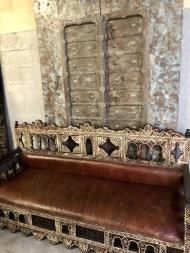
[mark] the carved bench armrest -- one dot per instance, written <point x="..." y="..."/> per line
<point x="10" y="164"/>
<point x="186" y="180"/>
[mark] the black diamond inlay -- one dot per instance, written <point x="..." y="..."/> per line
<point x="70" y="144"/>
<point x="177" y="152"/>
<point x="109" y="147"/>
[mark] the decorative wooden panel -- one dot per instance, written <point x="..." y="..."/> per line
<point x="147" y="145"/>
<point x="83" y="65"/>
<point x="124" y="81"/>
<point x="125" y="51"/>
<point x="119" y="63"/>
<point x="104" y="58"/>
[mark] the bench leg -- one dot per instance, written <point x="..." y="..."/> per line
<point x="187" y="230"/>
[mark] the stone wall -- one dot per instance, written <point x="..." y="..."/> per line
<point x="20" y="62"/>
<point x="164" y="36"/>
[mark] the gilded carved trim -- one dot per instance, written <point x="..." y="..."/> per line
<point x="147" y="145"/>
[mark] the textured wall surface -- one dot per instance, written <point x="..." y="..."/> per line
<point x="16" y="16"/>
<point x="184" y="101"/>
<point x="164" y="36"/>
<point x="22" y="78"/>
<point x="49" y="24"/>
<point x="20" y="62"/>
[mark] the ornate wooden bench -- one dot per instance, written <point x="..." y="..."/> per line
<point x="99" y="189"/>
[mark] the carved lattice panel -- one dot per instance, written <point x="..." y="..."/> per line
<point x="21" y="139"/>
<point x="179" y="150"/>
<point x="109" y="147"/>
<point x="152" y="145"/>
<point x="43" y="142"/>
<point x="147" y="150"/>
<point x="70" y="144"/>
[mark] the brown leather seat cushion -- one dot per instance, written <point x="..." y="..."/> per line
<point x="136" y="173"/>
<point x="141" y="209"/>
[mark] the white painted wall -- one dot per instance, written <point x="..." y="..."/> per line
<point x="20" y="62"/>
<point x="186" y="3"/>
<point x="22" y="77"/>
<point x="184" y="92"/>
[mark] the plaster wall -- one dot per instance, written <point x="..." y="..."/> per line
<point x="186" y="4"/>
<point x="20" y="62"/>
<point x="184" y="95"/>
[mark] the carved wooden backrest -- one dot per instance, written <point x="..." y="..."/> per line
<point x="148" y="145"/>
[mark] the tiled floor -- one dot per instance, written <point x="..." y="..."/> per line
<point x="17" y="243"/>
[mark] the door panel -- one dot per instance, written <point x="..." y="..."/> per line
<point x="127" y="97"/>
<point x="82" y="50"/>
<point x="83" y="64"/>
<point x="125" y="45"/>
<point x="87" y="97"/>
<point x="85" y="111"/>
<point x="83" y="32"/>
<point x="125" y="27"/>
<point x="104" y="64"/>
<point x="131" y="112"/>
<point x="84" y="82"/>
<point x="125" y="63"/>
<point x="131" y="62"/>
<point x="125" y="80"/>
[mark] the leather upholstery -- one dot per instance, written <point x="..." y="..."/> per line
<point x="46" y="186"/>
<point x="151" y="175"/>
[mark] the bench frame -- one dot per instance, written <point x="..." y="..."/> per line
<point x="70" y="240"/>
<point x="41" y="138"/>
